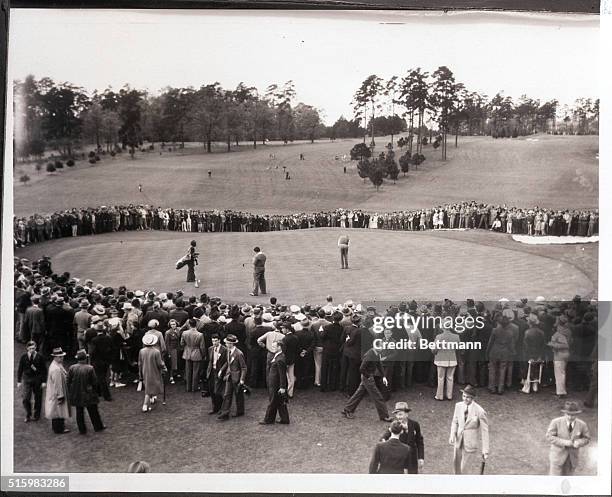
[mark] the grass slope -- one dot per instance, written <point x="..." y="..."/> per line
<point x="551" y="171"/>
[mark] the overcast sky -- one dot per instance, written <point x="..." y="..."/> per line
<point x="326" y="54"/>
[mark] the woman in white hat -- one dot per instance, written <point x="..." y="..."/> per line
<point x="57" y="408"/>
<point x="150" y="370"/>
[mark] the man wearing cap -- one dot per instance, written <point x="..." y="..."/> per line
<point x="566" y="435"/>
<point x="81" y="322"/>
<point x="469" y="422"/>
<point x="34" y="323"/>
<point x="57" y="409"/>
<point x="410" y="435"/>
<point x="31" y="375"/>
<point x="101" y="352"/>
<point x="259" y="270"/>
<point x="277" y="387"/>
<point x="393" y="456"/>
<point x="83" y="393"/>
<point x="343" y="245"/>
<point x="233" y="372"/>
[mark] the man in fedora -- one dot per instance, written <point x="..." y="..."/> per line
<point x="410" y="435"/>
<point x="566" y="435"/>
<point x="233" y="373"/>
<point x="57" y="409"/>
<point x="469" y="423"/>
<point x="31" y="375"/>
<point x="83" y="392"/>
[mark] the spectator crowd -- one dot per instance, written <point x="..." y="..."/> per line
<point x="466" y="215"/>
<point x="323" y="344"/>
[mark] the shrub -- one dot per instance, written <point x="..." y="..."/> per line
<point x="425" y="141"/>
<point x="360" y="151"/>
<point x="404" y="162"/>
<point x="24" y="179"/>
<point x="418" y="159"/>
<point x="103" y="152"/>
<point x="70" y="163"/>
<point x="50" y="167"/>
<point x="97" y="158"/>
<point x="91" y="154"/>
<point x="436" y="144"/>
<point x="151" y="147"/>
<point x="59" y="164"/>
<point x="92" y="160"/>
<point x="112" y="154"/>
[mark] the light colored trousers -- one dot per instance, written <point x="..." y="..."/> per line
<point x="318" y="359"/>
<point x="290" y="379"/>
<point x="448" y="374"/>
<point x="466" y="463"/>
<point x="560" y="367"/>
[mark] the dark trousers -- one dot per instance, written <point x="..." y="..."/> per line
<point x="101" y="369"/>
<point x="94" y="416"/>
<point x="344" y="257"/>
<point x="304" y="371"/>
<point x="190" y="272"/>
<point x="259" y="283"/>
<point x="256" y="367"/>
<point x="214" y="388"/>
<point x="368" y="386"/>
<point x="58" y="425"/>
<point x="192" y="375"/>
<point x="277" y="404"/>
<point x="231" y="390"/>
<point x="349" y="374"/>
<point x="330" y="368"/>
<point x="32" y="388"/>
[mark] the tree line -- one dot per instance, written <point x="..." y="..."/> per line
<point x="63" y="116"/>
<point x="425" y="101"/>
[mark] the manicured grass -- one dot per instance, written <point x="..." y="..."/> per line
<point x="551" y="171"/>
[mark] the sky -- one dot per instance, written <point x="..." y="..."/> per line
<point x="326" y="54"/>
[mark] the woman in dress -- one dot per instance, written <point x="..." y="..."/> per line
<point x="150" y="370"/>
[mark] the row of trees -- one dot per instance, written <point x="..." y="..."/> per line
<point x="437" y="100"/>
<point x="60" y="116"/>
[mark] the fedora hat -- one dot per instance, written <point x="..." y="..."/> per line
<point x="58" y="352"/>
<point x="469" y="390"/>
<point x="81" y="355"/>
<point x="84" y="304"/>
<point x="571" y="407"/>
<point x="149" y="339"/>
<point x="231" y="339"/>
<point x="99" y="310"/>
<point x="127" y="306"/>
<point x="401" y="406"/>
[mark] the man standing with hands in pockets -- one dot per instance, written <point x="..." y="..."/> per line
<point x="343" y="245"/>
<point x="469" y="421"/>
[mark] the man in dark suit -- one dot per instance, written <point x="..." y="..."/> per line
<point x="58" y="320"/>
<point x="277" y="387"/>
<point x="391" y="457"/>
<point x="217" y="357"/>
<point x="351" y="355"/>
<point x="82" y="393"/>
<point x="32" y="372"/>
<point x="101" y="355"/>
<point x="410" y="435"/>
<point x="331" y="337"/>
<point x="34" y="323"/>
<point x="233" y="373"/>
